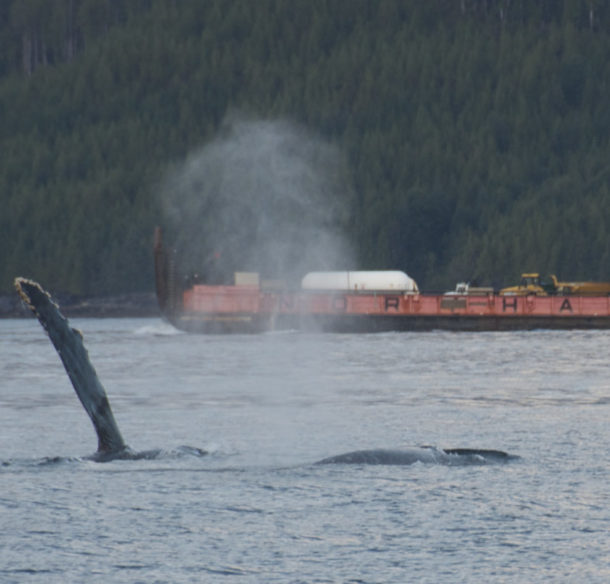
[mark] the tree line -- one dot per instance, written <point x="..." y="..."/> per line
<point x="476" y="133"/>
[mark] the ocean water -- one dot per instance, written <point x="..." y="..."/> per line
<point x="257" y="508"/>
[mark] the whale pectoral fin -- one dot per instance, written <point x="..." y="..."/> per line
<point x="68" y="343"/>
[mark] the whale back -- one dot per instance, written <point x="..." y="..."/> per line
<point x="424" y="454"/>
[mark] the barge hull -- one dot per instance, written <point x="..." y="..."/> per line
<point x="234" y="309"/>
<point x="248" y="324"/>
<point x="200" y="308"/>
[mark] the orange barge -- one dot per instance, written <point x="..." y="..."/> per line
<point x="249" y="308"/>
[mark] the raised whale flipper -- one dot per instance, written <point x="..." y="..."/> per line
<point x="69" y="345"/>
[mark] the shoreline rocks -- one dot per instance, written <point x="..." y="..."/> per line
<point x="135" y="305"/>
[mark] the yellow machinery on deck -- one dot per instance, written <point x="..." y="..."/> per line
<point x="531" y="283"/>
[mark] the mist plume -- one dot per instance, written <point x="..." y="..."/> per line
<point x="265" y="196"/>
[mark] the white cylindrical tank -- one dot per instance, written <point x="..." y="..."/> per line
<point x="375" y="281"/>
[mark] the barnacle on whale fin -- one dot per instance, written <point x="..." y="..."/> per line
<point x="21" y="284"/>
<point x="19" y="281"/>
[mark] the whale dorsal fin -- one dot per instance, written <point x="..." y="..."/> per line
<point x="68" y="343"/>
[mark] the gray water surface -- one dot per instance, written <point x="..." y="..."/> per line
<point x="266" y="408"/>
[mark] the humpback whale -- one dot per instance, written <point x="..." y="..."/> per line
<point x="68" y="343"/>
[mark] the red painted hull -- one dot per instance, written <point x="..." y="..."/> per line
<point x="243" y="309"/>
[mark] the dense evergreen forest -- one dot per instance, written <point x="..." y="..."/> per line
<point x="472" y="137"/>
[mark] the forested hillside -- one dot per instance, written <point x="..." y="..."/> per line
<point x="472" y="137"/>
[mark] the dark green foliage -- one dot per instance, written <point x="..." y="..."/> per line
<point x="476" y="131"/>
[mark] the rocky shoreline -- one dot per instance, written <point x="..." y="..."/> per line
<point x="137" y="305"/>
